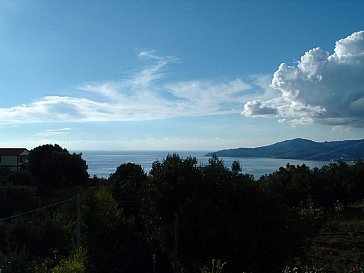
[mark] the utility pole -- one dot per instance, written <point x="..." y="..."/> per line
<point x="176" y="243"/>
<point x="78" y="221"/>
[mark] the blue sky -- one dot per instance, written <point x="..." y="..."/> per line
<point x="180" y="75"/>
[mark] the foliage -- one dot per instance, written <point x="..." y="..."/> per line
<point x="302" y="269"/>
<point x="216" y="267"/>
<point x="107" y="230"/>
<point x="358" y="268"/>
<point x="322" y="187"/>
<point x="235" y="167"/>
<point x="35" y="242"/>
<point x="41" y="234"/>
<point x="125" y="186"/>
<point x="170" y="182"/>
<point x="221" y="213"/>
<point x="14" y="261"/>
<point x="4" y="174"/>
<point x="75" y="263"/>
<point x="52" y="167"/>
<point x="17" y="199"/>
<point x="21" y="177"/>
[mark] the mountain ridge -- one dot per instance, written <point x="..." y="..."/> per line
<point x="303" y="149"/>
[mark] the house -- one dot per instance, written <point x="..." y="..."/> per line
<point x="13" y="158"/>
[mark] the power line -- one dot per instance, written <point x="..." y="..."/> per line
<point x="332" y="151"/>
<point x="35" y="210"/>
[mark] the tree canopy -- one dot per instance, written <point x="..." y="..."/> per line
<point x="53" y="166"/>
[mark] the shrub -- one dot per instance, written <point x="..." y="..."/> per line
<point x="302" y="269"/>
<point x="75" y="263"/>
<point x="12" y="261"/>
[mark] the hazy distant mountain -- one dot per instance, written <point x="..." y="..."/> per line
<point x="302" y="149"/>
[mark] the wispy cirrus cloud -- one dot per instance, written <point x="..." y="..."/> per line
<point x="321" y="88"/>
<point x="54" y="132"/>
<point x="145" y="95"/>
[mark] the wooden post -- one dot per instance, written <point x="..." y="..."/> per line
<point x="154" y="262"/>
<point x="78" y="221"/>
<point x="176" y="243"/>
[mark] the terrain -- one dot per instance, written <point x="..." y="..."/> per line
<point x="301" y="149"/>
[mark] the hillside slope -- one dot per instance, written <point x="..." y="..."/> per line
<point x="301" y="149"/>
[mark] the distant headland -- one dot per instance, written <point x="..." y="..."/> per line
<point x="301" y="149"/>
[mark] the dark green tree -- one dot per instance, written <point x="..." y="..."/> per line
<point x="21" y="177"/>
<point x="108" y="233"/>
<point x="53" y="166"/>
<point x="169" y="186"/>
<point x="235" y="167"/>
<point x="4" y="175"/>
<point x="221" y="214"/>
<point x="126" y="181"/>
<point x="17" y="199"/>
<point x="125" y="186"/>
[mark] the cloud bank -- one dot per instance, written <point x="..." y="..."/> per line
<point x="321" y="88"/>
<point x="145" y="95"/>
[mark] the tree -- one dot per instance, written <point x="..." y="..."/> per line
<point x="125" y="186"/>
<point x="21" y="177"/>
<point x="52" y="167"/>
<point x="126" y="181"/>
<point x="235" y="167"/>
<point x="107" y="232"/>
<point x="222" y="214"/>
<point x="17" y="199"/>
<point x="169" y="186"/>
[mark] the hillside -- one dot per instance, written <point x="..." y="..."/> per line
<point x="301" y="149"/>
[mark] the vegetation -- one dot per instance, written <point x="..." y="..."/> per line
<point x="53" y="167"/>
<point x="178" y="216"/>
<point x="76" y="263"/>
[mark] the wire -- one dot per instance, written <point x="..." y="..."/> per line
<point x="332" y="151"/>
<point x="35" y="210"/>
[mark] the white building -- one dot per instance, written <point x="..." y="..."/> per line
<point x="13" y="158"/>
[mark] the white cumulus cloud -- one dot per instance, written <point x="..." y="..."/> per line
<point x="321" y="88"/>
<point x="258" y="108"/>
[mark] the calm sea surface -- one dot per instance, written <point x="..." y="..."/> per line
<point x="104" y="163"/>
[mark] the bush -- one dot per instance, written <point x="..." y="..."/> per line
<point x="302" y="269"/>
<point x="75" y="263"/>
<point x="216" y="267"/>
<point x="21" y="177"/>
<point x="17" y="199"/>
<point x="14" y="261"/>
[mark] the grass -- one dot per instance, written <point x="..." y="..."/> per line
<point x="339" y="246"/>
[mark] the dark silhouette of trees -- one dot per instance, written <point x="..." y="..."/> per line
<point x="53" y="166"/>
<point x="299" y="185"/>
<point x="17" y="199"/>
<point x="107" y="231"/>
<point x="126" y="181"/>
<point x="21" y="177"/>
<point x="221" y="214"/>
<point x="253" y="225"/>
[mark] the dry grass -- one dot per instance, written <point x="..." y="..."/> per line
<point x="340" y="244"/>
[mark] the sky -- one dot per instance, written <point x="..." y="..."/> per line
<point x="179" y="75"/>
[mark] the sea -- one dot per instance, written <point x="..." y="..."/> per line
<point x="103" y="163"/>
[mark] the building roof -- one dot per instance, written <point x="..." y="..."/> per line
<point x="12" y="151"/>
